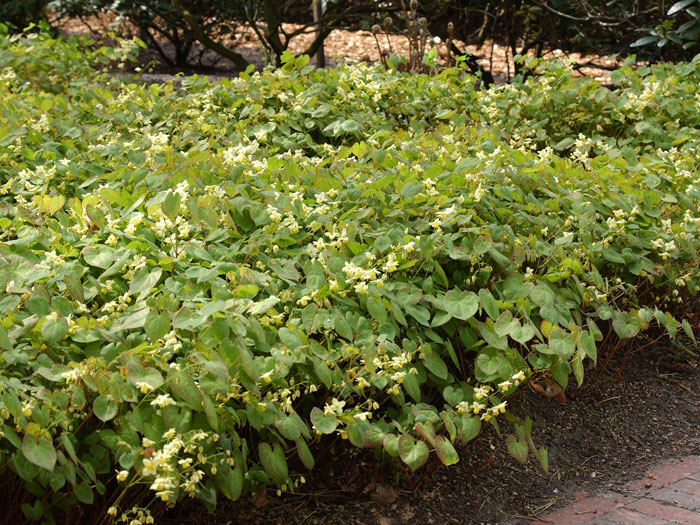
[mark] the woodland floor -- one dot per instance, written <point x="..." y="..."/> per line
<point x="341" y="45"/>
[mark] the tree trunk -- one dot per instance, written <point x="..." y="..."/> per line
<point x="318" y="16"/>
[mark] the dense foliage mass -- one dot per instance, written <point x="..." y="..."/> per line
<point x="199" y="281"/>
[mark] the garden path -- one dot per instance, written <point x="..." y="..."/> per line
<point x="668" y="494"/>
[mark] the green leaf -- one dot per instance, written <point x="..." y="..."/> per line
<point x="376" y="309"/>
<point x="12" y="403"/>
<point x="324" y="423"/>
<point x="210" y="412"/>
<point x="99" y="256"/>
<point x="514" y="288"/>
<point x="374" y="436"/>
<point x="470" y="427"/>
<point x="39" y="451"/>
<point x="391" y="445"/>
<point x="157" y="325"/>
<point x="83" y="493"/>
<point x="342" y="327"/>
<point x="445" y="451"/>
<point x="304" y="454"/>
<point x="492" y="338"/>
<point x="145" y="280"/>
<point x="54" y="330"/>
<point x="561" y="343"/>
<point x="356" y="433"/>
<point x="105" y="407"/>
<point x="247" y="291"/>
<point x="505" y="324"/>
<point x="522" y="334"/>
<point x="38" y="306"/>
<point x="612" y="255"/>
<point x="274" y="462"/>
<point x="542" y="296"/>
<point x="171" y="205"/>
<point x="434" y="363"/>
<point x="413" y="452"/>
<point x="679" y="6"/>
<point x="75" y="288"/>
<point x="230" y="481"/>
<point x="544" y="459"/>
<point x="488" y="362"/>
<point x="577" y="367"/>
<point x="453" y="395"/>
<point x="412" y="387"/>
<point x="688" y="330"/>
<point x="138" y="376"/>
<point x="516" y="448"/>
<point x="263" y="306"/>
<point x="287" y="426"/>
<point x="589" y="346"/>
<point x="488" y="303"/>
<point x="461" y="305"/>
<point x="184" y="387"/>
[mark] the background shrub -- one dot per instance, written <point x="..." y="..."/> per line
<point x="19" y="14"/>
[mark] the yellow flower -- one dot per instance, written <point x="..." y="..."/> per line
<point x="505" y="385"/>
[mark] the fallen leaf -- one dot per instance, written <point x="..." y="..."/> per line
<point x="384" y="495"/>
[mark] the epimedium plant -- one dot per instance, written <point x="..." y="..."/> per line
<point x="202" y="281"/>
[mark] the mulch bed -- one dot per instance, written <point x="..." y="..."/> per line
<point x="613" y="430"/>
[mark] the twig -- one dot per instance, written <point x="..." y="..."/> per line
<point x="487" y="496"/>
<point x="607" y="399"/>
<point x="684" y="387"/>
<point x="534" y="517"/>
<point x="636" y="440"/>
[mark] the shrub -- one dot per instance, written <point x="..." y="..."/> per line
<point x="19" y="14"/>
<point x="200" y="283"/>
<point x="162" y="21"/>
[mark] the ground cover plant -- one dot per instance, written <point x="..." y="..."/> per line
<point x="200" y="282"/>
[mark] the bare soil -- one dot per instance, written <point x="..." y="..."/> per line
<point x="618" y="426"/>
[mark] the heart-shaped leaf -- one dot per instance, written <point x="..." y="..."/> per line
<point x="274" y="462"/>
<point x="54" y="330"/>
<point x="157" y="325"/>
<point x="413" y="452"/>
<point x="105" y="408"/>
<point x="461" y="305"/>
<point x="325" y="423"/>
<point x="40" y="451"/>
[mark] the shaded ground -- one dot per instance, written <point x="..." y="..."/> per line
<point x="614" y="430"/>
<point x="339" y="46"/>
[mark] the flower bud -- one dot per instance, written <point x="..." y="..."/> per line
<point x="414" y="5"/>
<point x="376" y="28"/>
